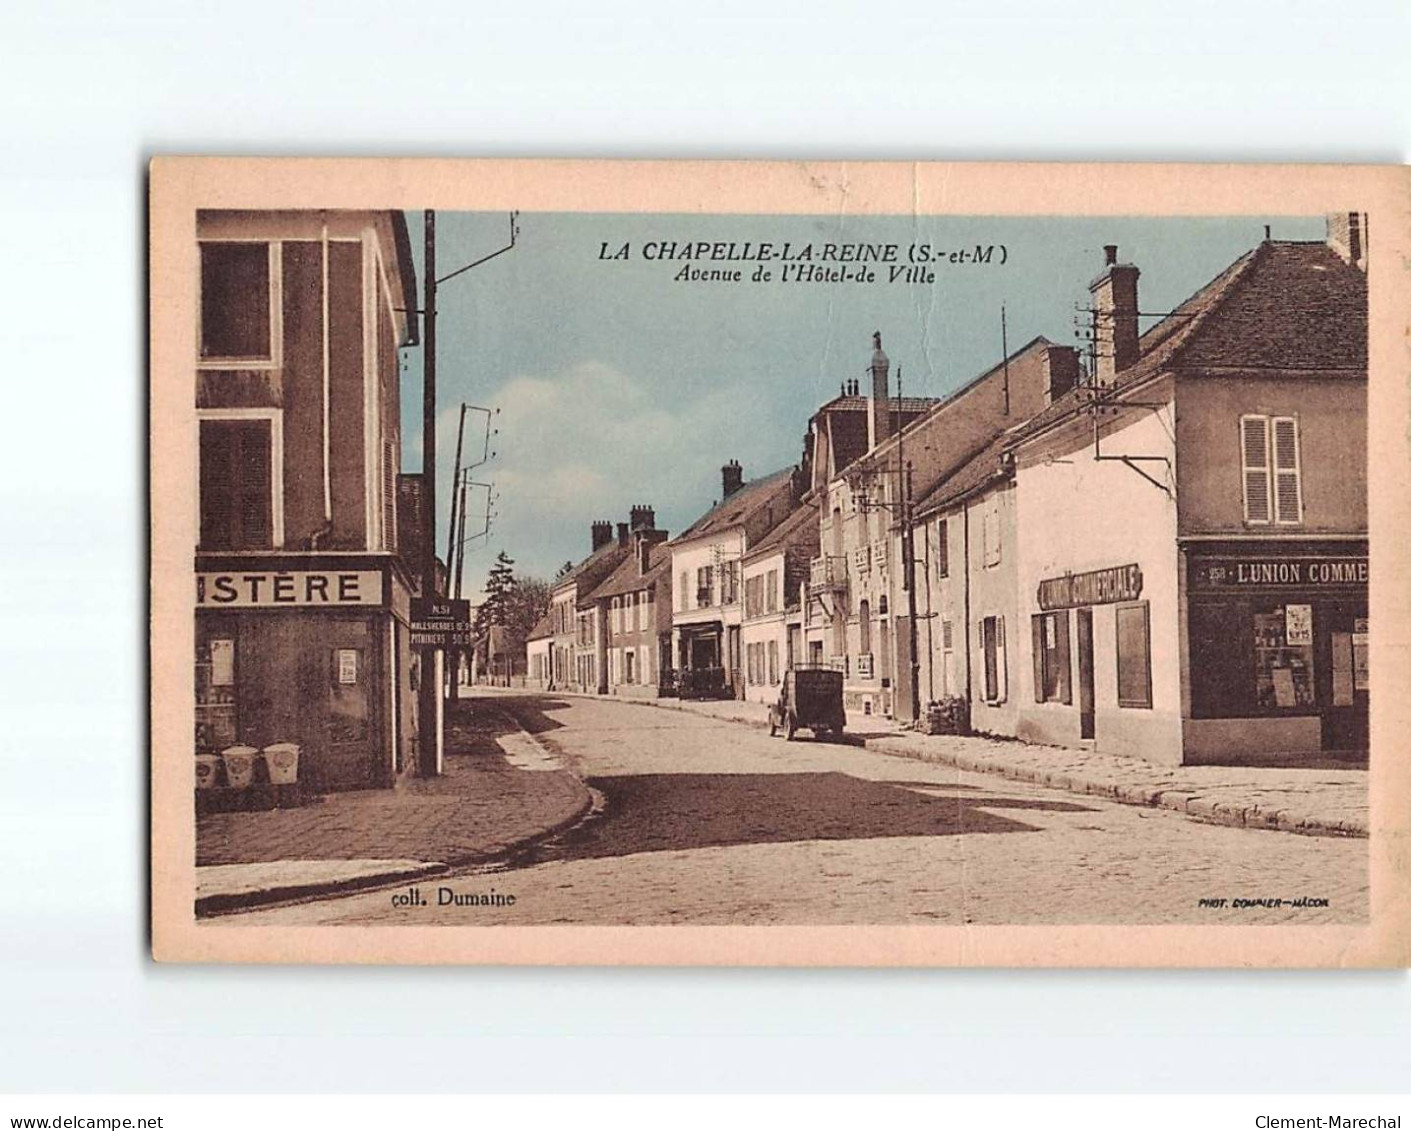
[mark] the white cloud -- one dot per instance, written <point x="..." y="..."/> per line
<point x="589" y="442"/>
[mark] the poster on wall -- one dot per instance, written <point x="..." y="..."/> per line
<point x="741" y="353"/>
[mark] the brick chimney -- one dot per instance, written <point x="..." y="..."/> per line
<point x="879" y="406"/>
<point x="732" y="478"/>
<point x="643" y="518"/>
<point x="1347" y="235"/>
<point x="1115" y="301"/>
<point x="1060" y="371"/>
<point x="643" y="541"/>
<point x="602" y="534"/>
<point x="623" y="534"/>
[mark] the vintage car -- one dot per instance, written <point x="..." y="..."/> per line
<point x="810" y="698"/>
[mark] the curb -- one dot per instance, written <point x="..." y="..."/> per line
<point x="224" y="903"/>
<point x="1173" y="798"/>
<point x="1195" y="805"/>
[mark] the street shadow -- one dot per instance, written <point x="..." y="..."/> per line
<point x="680" y="812"/>
<point x="529" y="711"/>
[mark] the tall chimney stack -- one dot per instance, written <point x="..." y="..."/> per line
<point x="879" y="414"/>
<point x="1060" y="371"/>
<point x="643" y="518"/>
<point x="602" y="534"/>
<point x="1115" y="322"/>
<point x="1347" y="235"/>
<point x="623" y="535"/>
<point x="732" y="478"/>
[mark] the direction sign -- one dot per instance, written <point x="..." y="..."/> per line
<point x="440" y="623"/>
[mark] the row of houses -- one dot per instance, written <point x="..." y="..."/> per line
<point x="1157" y="550"/>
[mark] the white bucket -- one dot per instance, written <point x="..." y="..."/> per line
<point x="239" y="765"/>
<point x="282" y="762"/>
<point x="207" y="770"/>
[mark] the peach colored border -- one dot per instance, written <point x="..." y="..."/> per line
<point x="179" y="185"/>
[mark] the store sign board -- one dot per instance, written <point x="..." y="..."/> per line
<point x="1265" y="573"/>
<point x="276" y="589"/>
<point x="1097" y="587"/>
<point x="440" y="623"/>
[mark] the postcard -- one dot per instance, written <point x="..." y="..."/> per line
<point x="593" y="562"/>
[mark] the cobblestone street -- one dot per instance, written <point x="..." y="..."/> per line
<point x="708" y="821"/>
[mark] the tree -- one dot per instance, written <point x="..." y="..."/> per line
<point x="528" y="602"/>
<point x="498" y="588"/>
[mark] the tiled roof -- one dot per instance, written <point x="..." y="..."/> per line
<point x="1284" y="306"/>
<point x="594" y="567"/>
<point x="976" y="471"/>
<point x="739" y="507"/>
<point x="627" y="578"/>
<point x="541" y="629"/>
<point x="799" y="531"/>
<point x="860" y="404"/>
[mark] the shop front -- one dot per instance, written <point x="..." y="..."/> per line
<point x="1277" y="647"/>
<point x="309" y="652"/>
<point x="702" y="661"/>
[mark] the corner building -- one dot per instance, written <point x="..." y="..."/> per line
<point x="1192" y="522"/>
<point x="302" y="587"/>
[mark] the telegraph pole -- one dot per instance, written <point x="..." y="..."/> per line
<point x="454" y="654"/>
<point x="909" y="579"/>
<point x="430" y="689"/>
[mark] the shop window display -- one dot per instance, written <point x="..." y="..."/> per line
<point x="1283" y="657"/>
<point x="215" y="695"/>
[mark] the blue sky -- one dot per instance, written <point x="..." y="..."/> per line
<point x="617" y="385"/>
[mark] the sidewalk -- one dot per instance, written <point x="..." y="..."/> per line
<point x="1314" y="802"/>
<point x="501" y="789"/>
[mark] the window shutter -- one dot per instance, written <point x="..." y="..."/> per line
<point x="390" y="463"/>
<point x="1002" y="660"/>
<point x="1288" y="491"/>
<point x="1038" y="626"/>
<point x="1254" y="439"/>
<point x="1065" y="671"/>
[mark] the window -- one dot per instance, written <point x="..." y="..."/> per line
<point x="616" y="615"/>
<point x="627" y="611"/>
<point x="864" y="627"/>
<point x="947" y="658"/>
<point x="729" y="582"/>
<point x="942" y="548"/>
<point x="629" y="658"/>
<point x="771" y="593"/>
<point x="1273" y="491"/>
<point x="236" y="302"/>
<point x="641" y="612"/>
<point x="992" y="646"/>
<point x="1133" y="655"/>
<point x="1283" y="656"/>
<point x="215" y="689"/>
<point x="703" y="588"/>
<point x="238" y="477"/>
<point x="1052" y="668"/>
<point x="774" y="661"/>
<point x="990" y="533"/>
